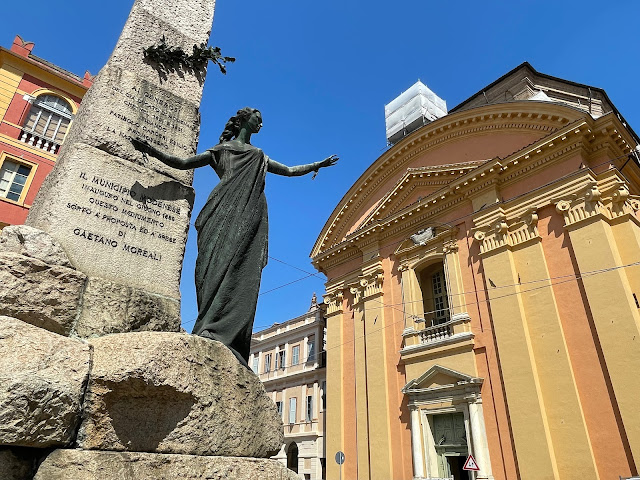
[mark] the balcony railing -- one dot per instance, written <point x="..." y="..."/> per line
<point x="436" y="333"/>
<point x="40" y="142"/>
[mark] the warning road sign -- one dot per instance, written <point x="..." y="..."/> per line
<point x="471" y="464"/>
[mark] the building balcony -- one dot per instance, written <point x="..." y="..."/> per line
<point x="39" y="142"/>
<point x="454" y="330"/>
<point x="302" y="428"/>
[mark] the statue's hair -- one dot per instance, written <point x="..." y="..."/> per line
<point x="232" y="128"/>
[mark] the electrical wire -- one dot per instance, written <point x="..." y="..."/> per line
<point x="565" y="279"/>
<point x="312" y="274"/>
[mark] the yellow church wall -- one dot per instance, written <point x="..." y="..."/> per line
<point x="486" y="358"/>
<point x="607" y="440"/>
<point x="546" y="392"/>
<point x="335" y="361"/>
<point x="399" y="431"/>
<point x="615" y="317"/>
<point x="559" y="396"/>
<point x="528" y="417"/>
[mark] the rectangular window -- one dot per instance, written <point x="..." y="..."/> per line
<point x="256" y="359"/>
<point x="295" y="355"/>
<point x="13" y="177"/>
<point x="311" y="350"/>
<point x="267" y="363"/>
<point x="281" y="358"/>
<point x="279" y="407"/>
<point x="292" y="410"/>
<point x="309" y="408"/>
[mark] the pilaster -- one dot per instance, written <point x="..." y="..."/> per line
<point x="603" y="229"/>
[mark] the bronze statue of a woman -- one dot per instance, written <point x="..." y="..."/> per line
<point x="232" y="230"/>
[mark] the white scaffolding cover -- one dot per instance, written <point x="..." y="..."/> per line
<point x="411" y="109"/>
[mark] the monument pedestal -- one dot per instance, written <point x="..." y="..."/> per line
<point x="95" y="380"/>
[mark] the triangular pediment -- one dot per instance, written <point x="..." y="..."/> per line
<point x="414" y="185"/>
<point x="438" y="377"/>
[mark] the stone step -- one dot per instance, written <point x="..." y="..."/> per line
<point x="100" y="465"/>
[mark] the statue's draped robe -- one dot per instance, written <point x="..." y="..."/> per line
<point x="232" y="247"/>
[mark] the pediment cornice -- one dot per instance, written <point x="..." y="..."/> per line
<point x="584" y="133"/>
<point x="516" y="117"/>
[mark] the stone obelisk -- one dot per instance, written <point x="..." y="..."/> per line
<point x="122" y="217"/>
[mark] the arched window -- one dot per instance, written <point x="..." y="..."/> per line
<point x="434" y="294"/>
<point x="47" y="122"/>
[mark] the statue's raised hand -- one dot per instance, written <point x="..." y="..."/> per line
<point x="329" y="161"/>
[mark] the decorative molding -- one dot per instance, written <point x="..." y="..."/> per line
<point x="505" y="233"/>
<point x="450" y="246"/>
<point x="369" y="284"/>
<point x="565" y="140"/>
<point x="334" y="302"/>
<point x="515" y="116"/>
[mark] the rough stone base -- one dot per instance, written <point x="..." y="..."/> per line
<point x="98" y="465"/>
<point x="109" y="307"/>
<point x="175" y="393"/>
<point x="36" y="292"/>
<point x="17" y="463"/>
<point x="42" y="380"/>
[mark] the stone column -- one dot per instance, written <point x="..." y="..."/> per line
<point x="123" y="217"/>
<point x="416" y="444"/>
<point x="479" y="441"/>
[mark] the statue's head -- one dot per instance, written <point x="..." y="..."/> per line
<point x="247" y="116"/>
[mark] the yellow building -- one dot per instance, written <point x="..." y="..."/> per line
<point x="38" y="101"/>
<point x="482" y="294"/>
<point x="289" y="359"/>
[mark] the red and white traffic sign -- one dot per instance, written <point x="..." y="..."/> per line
<point x="471" y="464"/>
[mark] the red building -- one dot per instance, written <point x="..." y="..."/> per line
<point x="38" y="101"/>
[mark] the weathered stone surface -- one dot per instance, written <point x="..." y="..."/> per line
<point x="175" y="393"/>
<point x="183" y="24"/>
<point x="116" y="220"/>
<point x="17" y="464"/>
<point x="97" y="465"/>
<point x="121" y="106"/>
<point x="38" y="293"/>
<point x="31" y="242"/>
<point x="42" y="380"/>
<point x="109" y="307"/>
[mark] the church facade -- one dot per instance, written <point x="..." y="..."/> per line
<point x="482" y="294"/>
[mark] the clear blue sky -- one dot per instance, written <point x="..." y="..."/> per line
<point x="321" y="72"/>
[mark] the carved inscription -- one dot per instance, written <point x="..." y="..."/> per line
<point x="139" y="112"/>
<point x="131" y="220"/>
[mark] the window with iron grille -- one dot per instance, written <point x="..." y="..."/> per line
<point x="49" y="118"/>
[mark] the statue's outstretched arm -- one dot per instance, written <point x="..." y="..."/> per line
<point x="199" y="160"/>
<point x="281" y="169"/>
